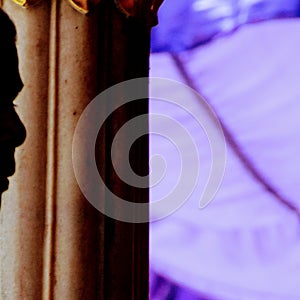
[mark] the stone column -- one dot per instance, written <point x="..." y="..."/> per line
<point x="54" y="243"/>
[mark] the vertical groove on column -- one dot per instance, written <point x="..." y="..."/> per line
<point x="124" y="53"/>
<point x="49" y="249"/>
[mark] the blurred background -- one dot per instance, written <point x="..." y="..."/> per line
<point x="242" y="57"/>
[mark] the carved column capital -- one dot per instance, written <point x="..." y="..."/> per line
<point x="141" y="9"/>
<point x="84" y="6"/>
<point x="26" y="3"/>
<point x="144" y="10"/>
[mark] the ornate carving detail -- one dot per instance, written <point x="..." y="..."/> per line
<point x="84" y="6"/>
<point x="142" y="9"/>
<point x="26" y="3"/>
